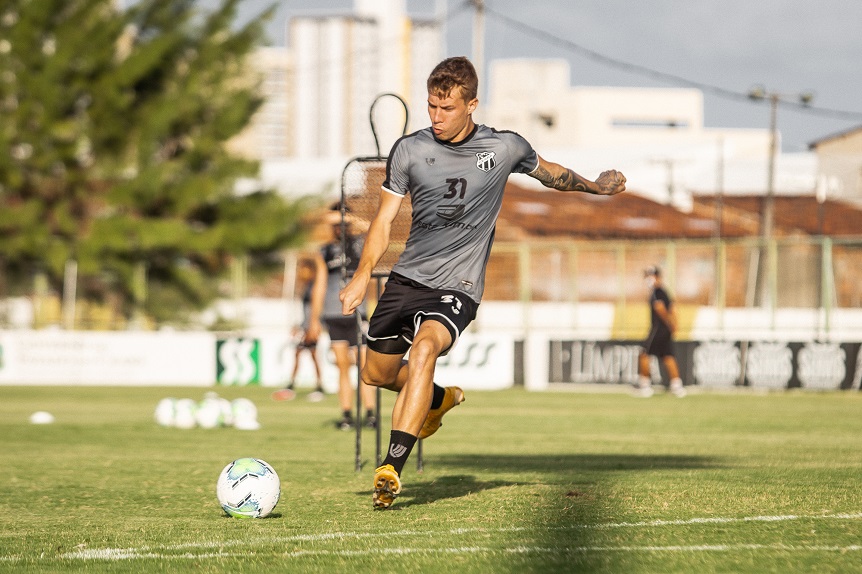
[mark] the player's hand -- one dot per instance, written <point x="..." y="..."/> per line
<point x="313" y="331"/>
<point x="611" y="182"/>
<point x="353" y="294"/>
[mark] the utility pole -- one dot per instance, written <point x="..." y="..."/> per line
<point x="767" y="216"/>
<point x="479" y="42"/>
<point x="442" y="15"/>
<point x="719" y="189"/>
<point x="669" y="164"/>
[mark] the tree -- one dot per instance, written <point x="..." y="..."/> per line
<point x="112" y="149"/>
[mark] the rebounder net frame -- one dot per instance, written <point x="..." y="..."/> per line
<point x="361" y="184"/>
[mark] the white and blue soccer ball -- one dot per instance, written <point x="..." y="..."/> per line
<point x="248" y="488"/>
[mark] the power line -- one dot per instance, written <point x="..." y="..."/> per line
<point x="665" y="77"/>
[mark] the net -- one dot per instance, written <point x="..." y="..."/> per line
<point x="361" y="182"/>
<point x="361" y="185"/>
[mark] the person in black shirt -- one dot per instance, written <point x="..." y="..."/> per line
<point x="659" y="342"/>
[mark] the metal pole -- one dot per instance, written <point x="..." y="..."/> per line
<point x="826" y="285"/>
<point x="768" y="216"/>
<point x="70" y="288"/>
<point x="378" y="434"/>
<point x="479" y="41"/>
<point x="719" y="190"/>
<point x="767" y="221"/>
<point x="358" y="391"/>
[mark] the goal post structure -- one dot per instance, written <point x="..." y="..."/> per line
<point x="361" y="183"/>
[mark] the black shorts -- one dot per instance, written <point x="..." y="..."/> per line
<point x="342" y="329"/>
<point x="659" y="343"/>
<point x="405" y="304"/>
<point x="304" y="343"/>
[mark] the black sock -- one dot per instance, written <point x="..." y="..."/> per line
<point x="400" y="445"/>
<point x="437" y="396"/>
<point x="347" y="415"/>
<point x="369" y="413"/>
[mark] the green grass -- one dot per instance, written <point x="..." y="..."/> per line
<point x="513" y="482"/>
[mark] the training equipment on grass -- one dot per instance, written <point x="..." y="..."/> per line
<point x="248" y="488"/>
<point x="244" y="414"/>
<point x="209" y="413"/>
<point x="166" y="411"/>
<point x="41" y="418"/>
<point x="184" y="414"/>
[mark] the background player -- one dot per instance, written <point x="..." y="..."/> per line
<point x="305" y="342"/>
<point x="455" y="172"/>
<point x="659" y="342"/>
<point x="343" y="335"/>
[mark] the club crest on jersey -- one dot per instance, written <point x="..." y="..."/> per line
<point x="485" y="160"/>
<point x="430" y="160"/>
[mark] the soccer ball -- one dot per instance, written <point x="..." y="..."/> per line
<point x="166" y="411"/>
<point x="209" y="413"/>
<point x="248" y="488"/>
<point x="41" y="418"/>
<point x="244" y="414"/>
<point x="184" y="414"/>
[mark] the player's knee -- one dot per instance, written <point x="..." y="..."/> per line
<point x="376" y="377"/>
<point x="425" y="349"/>
<point x="343" y="363"/>
<point x="371" y="378"/>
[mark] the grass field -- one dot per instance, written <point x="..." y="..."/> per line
<point x="513" y="482"/>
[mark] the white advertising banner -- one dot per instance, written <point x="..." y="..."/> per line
<point x="483" y="362"/>
<point x="277" y="359"/>
<point x="107" y="358"/>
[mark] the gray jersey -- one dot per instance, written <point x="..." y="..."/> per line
<point x="456" y="190"/>
<point x="332" y="254"/>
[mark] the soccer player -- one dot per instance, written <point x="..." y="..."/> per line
<point x="305" y="342"/>
<point x="455" y="172"/>
<point x="659" y="342"/>
<point x="343" y="335"/>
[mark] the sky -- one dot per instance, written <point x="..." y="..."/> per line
<point x="726" y="48"/>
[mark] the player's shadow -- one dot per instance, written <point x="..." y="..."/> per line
<point x="443" y="487"/>
<point x="569" y="463"/>
<point x="553" y="469"/>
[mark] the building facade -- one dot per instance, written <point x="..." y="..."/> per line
<point x="343" y="63"/>
<point x="839" y="166"/>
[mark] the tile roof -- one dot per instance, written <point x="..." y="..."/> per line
<point x="530" y="213"/>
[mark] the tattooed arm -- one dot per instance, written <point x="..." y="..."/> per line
<point x="554" y="175"/>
